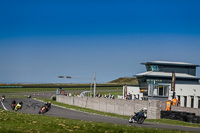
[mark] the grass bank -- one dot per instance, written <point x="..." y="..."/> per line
<point x="18" y="122"/>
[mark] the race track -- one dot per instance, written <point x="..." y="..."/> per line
<point x="32" y="106"/>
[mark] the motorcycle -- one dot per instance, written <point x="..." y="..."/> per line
<point x="17" y="107"/>
<point x="138" y="119"/>
<point x="2" y="99"/>
<point x="43" y="110"/>
<point x="13" y="106"/>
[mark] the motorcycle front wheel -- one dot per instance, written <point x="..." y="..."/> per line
<point x="140" y="120"/>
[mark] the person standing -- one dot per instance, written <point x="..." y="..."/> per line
<point x="168" y="108"/>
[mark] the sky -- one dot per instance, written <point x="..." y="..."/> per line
<point x="42" y="39"/>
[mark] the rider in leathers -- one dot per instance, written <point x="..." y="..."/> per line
<point x="139" y="114"/>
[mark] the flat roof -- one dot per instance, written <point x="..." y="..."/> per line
<point x="170" y="63"/>
<point x="165" y="74"/>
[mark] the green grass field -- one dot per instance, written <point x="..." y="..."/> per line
<point x="75" y="91"/>
<point x="18" y="122"/>
<point x="20" y="90"/>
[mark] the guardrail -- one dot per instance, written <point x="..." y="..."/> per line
<point x="11" y="86"/>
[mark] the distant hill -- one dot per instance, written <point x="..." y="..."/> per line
<point x="123" y="80"/>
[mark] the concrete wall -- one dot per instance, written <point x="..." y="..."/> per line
<point x="154" y="109"/>
<point x="185" y="109"/>
<point x="117" y="106"/>
<point x="180" y="109"/>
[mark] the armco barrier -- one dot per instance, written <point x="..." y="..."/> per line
<point x="117" y="106"/>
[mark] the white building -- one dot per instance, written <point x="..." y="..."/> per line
<point x="156" y="83"/>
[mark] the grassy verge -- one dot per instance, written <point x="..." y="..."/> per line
<point x="174" y="122"/>
<point x="22" y="90"/>
<point x="160" y="121"/>
<point x="18" y="122"/>
<point x="115" y="93"/>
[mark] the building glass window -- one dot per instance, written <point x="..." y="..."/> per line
<point x="179" y="98"/>
<point x="198" y="102"/>
<point x="154" y="68"/>
<point x="158" y="90"/>
<point x="185" y="101"/>
<point x="148" y="67"/>
<point x="161" y="90"/>
<point x="192" y="102"/>
<point x="166" y="90"/>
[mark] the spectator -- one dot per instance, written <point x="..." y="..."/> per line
<point x="105" y="96"/>
<point x="110" y="95"/>
<point x="113" y="97"/>
<point x="100" y="95"/>
<point x="129" y="97"/>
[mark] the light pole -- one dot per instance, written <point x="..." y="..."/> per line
<point x="94" y="84"/>
<point x="92" y="79"/>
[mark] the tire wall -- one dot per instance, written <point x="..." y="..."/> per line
<point x="181" y="116"/>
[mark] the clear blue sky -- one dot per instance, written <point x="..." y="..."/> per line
<point x="43" y="39"/>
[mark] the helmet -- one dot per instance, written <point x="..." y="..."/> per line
<point x="48" y="102"/>
<point x="145" y="109"/>
<point x="20" y="102"/>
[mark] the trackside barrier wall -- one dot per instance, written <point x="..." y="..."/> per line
<point x="180" y="109"/>
<point x="181" y="116"/>
<point x="186" y="109"/>
<point x="117" y="106"/>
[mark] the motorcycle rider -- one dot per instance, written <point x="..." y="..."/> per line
<point x="19" y="105"/>
<point x="140" y="113"/>
<point x="48" y="105"/>
<point x="2" y="98"/>
<point x="13" y="104"/>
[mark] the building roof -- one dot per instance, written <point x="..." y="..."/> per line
<point x="165" y="74"/>
<point x="170" y="63"/>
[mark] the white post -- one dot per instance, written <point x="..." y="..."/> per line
<point x="188" y="101"/>
<point x="181" y="101"/>
<point x="91" y="89"/>
<point x="195" y="102"/>
<point x="94" y="84"/>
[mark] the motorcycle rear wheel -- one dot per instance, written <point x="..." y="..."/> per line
<point x="130" y="120"/>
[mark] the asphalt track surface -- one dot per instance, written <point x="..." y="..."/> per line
<point x="32" y="106"/>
